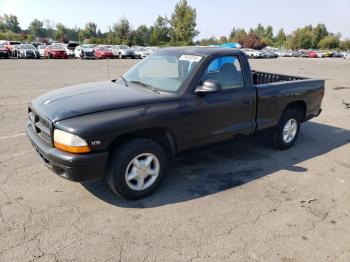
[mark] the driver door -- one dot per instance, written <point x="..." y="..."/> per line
<point x="218" y="116"/>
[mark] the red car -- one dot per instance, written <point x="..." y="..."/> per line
<point x="55" y="51"/>
<point x="4" y="52"/>
<point x="312" y="54"/>
<point x="11" y="47"/>
<point x="103" y="52"/>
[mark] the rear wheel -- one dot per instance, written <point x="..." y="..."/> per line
<point x="286" y="132"/>
<point x="136" y="168"/>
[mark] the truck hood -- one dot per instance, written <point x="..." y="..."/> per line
<point x="94" y="97"/>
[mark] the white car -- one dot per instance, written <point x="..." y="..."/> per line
<point x="346" y="55"/>
<point x="85" y="51"/>
<point x="251" y="53"/>
<point x="142" y="52"/>
<point x="70" y="48"/>
<point x="41" y="49"/>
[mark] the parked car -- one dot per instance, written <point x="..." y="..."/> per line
<point x="320" y="54"/>
<point x="27" y="51"/>
<point x="284" y="53"/>
<point x="69" y="48"/>
<point x="126" y="129"/>
<point x="124" y="51"/>
<point x="312" y="54"/>
<point x="346" y="55"/>
<point x="327" y="53"/>
<point x="268" y="53"/>
<point x="85" y="51"/>
<point x="11" y="46"/>
<point x="41" y="49"/>
<point x="56" y="50"/>
<point x="142" y="52"/>
<point x="251" y="53"/>
<point x="337" y="54"/>
<point x="296" y="53"/>
<point x="103" y="52"/>
<point x="4" y="53"/>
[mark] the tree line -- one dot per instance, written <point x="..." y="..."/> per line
<point x="307" y="37"/>
<point x="179" y="29"/>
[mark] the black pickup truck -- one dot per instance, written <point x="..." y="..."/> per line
<point x="176" y="99"/>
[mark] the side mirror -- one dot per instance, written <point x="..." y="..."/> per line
<point x="209" y="86"/>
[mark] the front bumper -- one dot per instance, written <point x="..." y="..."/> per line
<point x="74" y="167"/>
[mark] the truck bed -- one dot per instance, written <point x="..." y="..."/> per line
<point x="266" y="78"/>
<point x="275" y="91"/>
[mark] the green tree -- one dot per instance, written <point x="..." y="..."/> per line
<point x="122" y="30"/>
<point x="329" y="42"/>
<point x="280" y="38"/>
<point x="236" y="35"/>
<point x="319" y="32"/>
<point x="36" y="28"/>
<point x="303" y="38"/>
<point x="259" y="31"/>
<point x="161" y="31"/>
<point x="2" y="25"/>
<point x="10" y="23"/>
<point x="344" y="45"/>
<point x="49" y="26"/>
<point x="223" y="39"/>
<point x="61" y="33"/>
<point x="183" y="23"/>
<point x="90" y="29"/>
<point x="143" y="35"/>
<point x="209" y="41"/>
<point x="269" y="33"/>
<point x="89" y="32"/>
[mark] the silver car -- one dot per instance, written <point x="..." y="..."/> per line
<point x="124" y="51"/>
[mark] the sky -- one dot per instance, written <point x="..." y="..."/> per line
<point x="214" y="18"/>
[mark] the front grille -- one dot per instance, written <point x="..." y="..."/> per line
<point x="40" y="125"/>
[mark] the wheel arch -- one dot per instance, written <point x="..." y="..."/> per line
<point x="161" y="135"/>
<point x="299" y="106"/>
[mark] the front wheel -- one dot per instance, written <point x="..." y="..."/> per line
<point x="136" y="168"/>
<point x="286" y="132"/>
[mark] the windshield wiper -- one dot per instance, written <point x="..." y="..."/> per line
<point x="124" y="80"/>
<point x="145" y="85"/>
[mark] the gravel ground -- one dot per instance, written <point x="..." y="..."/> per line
<point x="240" y="202"/>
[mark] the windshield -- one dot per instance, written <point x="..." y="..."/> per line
<point x="87" y="46"/>
<point x="164" y="71"/>
<point x="102" y="48"/>
<point x="27" y="47"/>
<point x="57" y="46"/>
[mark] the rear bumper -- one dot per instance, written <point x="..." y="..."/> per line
<point x="74" y="167"/>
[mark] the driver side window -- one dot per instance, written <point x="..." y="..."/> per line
<point x="226" y="70"/>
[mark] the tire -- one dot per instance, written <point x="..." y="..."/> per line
<point x="121" y="163"/>
<point x="282" y="139"/>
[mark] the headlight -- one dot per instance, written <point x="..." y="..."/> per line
<point x="69" y="142"/>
